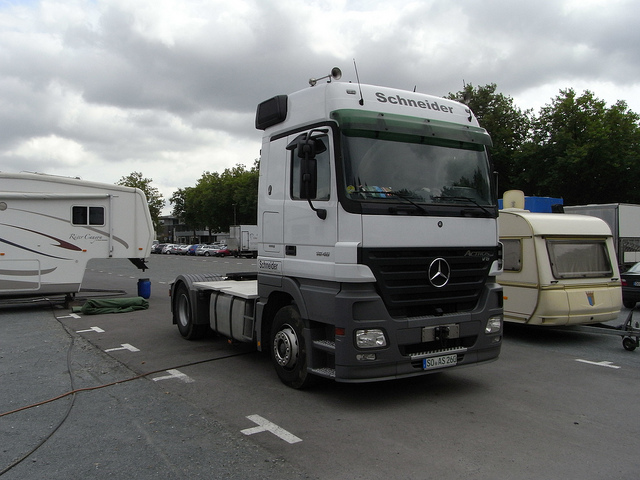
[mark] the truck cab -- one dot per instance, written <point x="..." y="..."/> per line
<point x="377" y="220"/>
<point x="378" y="245"/>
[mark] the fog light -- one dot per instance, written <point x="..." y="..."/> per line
<point x="494" y="324"/>
<point x="370" y="338"/>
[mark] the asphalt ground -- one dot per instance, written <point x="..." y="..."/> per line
<point x="127" y="429"/>
<point x="555" y="405"/>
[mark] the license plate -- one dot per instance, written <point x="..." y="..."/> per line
<point x="636" y="284"/>
<point x="439" y="362"/>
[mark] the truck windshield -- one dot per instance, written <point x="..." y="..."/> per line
<point x="392" y="163"/>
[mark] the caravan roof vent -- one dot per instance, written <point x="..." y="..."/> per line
<point x="513" y="199"/>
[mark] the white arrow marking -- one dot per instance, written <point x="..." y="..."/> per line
<point x="71" y="315"/>
<point x="265" y="425"/>
<point x="175" y="374"/>
<point x="92" y="329"/>
<point x="125" y="346"/>
<point x="600" y="364"/>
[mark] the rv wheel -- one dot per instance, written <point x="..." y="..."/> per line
<point x="183" y="315"/>
<point x="288" y="349"/>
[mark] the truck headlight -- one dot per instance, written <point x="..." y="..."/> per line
<point x="494" y="324"/>
<point x="373" y="338"/>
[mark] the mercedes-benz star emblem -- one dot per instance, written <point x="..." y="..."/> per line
<point x="439" y="272"/>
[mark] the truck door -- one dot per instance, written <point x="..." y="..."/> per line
<point x="310" y="212"/>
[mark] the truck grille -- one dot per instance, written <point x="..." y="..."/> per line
<point x="403" y="279"/>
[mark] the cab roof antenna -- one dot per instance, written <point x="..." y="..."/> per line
<point x="361" y="101"/>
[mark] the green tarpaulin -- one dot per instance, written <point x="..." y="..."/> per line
<point x="112" y="305"/>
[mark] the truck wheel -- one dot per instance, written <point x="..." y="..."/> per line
<point x="183" y="313"/>
<point x="288" y="349"/>
<point x="629" y="303"/>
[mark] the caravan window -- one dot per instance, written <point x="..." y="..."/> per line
<point x="87" y="215"/>
<point x="579" y="258"/>
<point x="512" y="254"/>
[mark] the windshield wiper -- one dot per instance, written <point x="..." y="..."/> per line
<point x="406" y="197"/>
<point x="467" y="199"/>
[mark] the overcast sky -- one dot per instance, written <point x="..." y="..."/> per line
<point x="102" y="88"/>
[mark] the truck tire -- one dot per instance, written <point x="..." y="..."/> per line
<point x="288" y="349"/>
<point x="629" y="303"/>
<point x="183" y="315"/>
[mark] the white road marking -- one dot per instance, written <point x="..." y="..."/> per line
<point x="600" y="364"/>
<point x="175" y="374"/>
<point x="92" y="329"/>
<point x="71" y="315"/>
<point x="265" y="425"/>
<point x="124" y="346"/>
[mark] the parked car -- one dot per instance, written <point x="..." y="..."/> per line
<point x="157" y="248"/>
<point x="167" y="248"/>
<point x="223" y="251"/>
<point x="201" y="248"/>
<point x="182" y="249"/>
<point x="631" y="286"/>
<point x="208" y="250"/>
<point x="192" y="249"/>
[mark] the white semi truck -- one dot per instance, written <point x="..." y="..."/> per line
<point x="378" y="244"/>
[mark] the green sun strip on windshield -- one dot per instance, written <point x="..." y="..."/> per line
<point x="402" y="128"/>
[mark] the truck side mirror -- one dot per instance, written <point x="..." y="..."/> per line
<point x="307" y="149"/>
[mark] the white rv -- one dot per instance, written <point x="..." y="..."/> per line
<point x="50" y="227"/>
<point x="559" y="269"/>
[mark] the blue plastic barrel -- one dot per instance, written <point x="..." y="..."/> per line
<point x="144" y="288"/>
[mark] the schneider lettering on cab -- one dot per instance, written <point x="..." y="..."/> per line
<point x="378" y="244"/>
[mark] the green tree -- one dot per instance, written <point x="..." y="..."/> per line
<point x="507" y="124"/>
<point x="582" y="151"/>
<point x="154" y="197"/>
<point x="220" y="199"/>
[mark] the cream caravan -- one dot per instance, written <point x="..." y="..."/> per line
<point x="559" y="269"/>
<point x="50" y="227"/>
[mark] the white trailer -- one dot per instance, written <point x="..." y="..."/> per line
<point x="51" y="226"/>
<point x="559" y="269"/>
<point x="624" y="221"/>
<point x="378" y="245"/>
<point x="243" y="240"/>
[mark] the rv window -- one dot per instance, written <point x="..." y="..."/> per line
<point x="81" y="215"/>
<point x="512" y="254"/>
<point x="579" y="258"/>
<point x="96" y="216"/>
